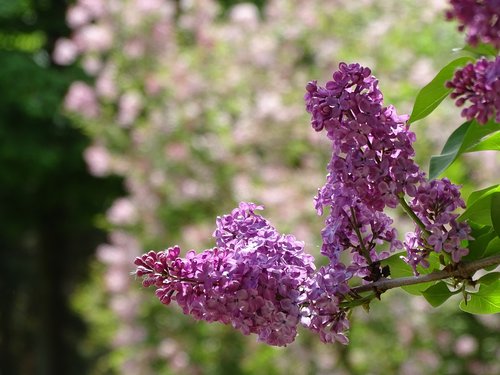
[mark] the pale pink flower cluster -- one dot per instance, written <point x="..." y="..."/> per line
<point x="123" y="304"/>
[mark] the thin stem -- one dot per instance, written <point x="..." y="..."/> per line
<point x="460" y="270"/>
<point x="364" y="250"/>
<point x="412" y="214"/>
<point x="358" y="301"/>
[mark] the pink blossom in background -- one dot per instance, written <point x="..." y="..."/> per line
<point x="97" y="8"/>
<point x="94" y="37"/>
<point x="77" y="16"/>
<point x="92" y="65"/>
<point x="153" y="85"/>
<point x="465" y="345"/>
<point x="122" y="212"/>
<point x="116" y="281"/>
<point x="115" y="255"/>
<point x="106" y="85"/>
<point x="81" y="99"/>
<point x="98" y="160"/>
<point x="128" y="335"/>
<point x="65" y="51"/>
<point x="130" y="105"/>
<point x="176" y="151"/>
<point x="134" y="48"/>
<point x="146" y="7"/>
<point x="245" y="15"/>
<point x="125" y="306"/>
<point x="110" y="254"/>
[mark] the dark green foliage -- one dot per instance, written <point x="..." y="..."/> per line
<point x="49" y="201"/>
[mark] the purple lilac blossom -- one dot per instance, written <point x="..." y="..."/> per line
<point x="256" y="279"/>
<point x="480" y="19"/>
<point x="434" y="204"/>
<point x="371" y="165"/>
<point x="372" y="168"/>
<point x="479" y="86"/>
<point x="322" y="313"/>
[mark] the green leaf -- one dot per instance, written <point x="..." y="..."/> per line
<point x="495" y="212"/>
<point x="489" y="278"/>
<point x="480" y="50"/>
<point x="479" y="206"/>
<point x="450" y="151"/>
<point x="478" y="246"/>
<point x="434" y="92"/>
<point x="464" y="139"/>
<point x="399" y="268"/>
<point x="491" y="143"/>
<point x="437" y="294"/>
<point x="493" y="248"/>
<point x="479" y="230"/>
<point x="480" y="194"/>
<point x="485" y="301"/>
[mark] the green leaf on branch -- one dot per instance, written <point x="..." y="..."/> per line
<point x="491" y="143"/>
<point x="486" y="300"/>
<point x="450" y="151"/>
<point x="489" y="278"/>
<point x="435" y="92"/>
<point x="479" y="206"/>
<point x="480" y="50"/>
<point x="493" y="248"/>
<point x="469" y="137"/>
<point x="495" y="212"/>
<point x="480" y="194"/>
<point x="399" y="268"/>
<point x="482" y="237"/>
<point x="437" y="294"/>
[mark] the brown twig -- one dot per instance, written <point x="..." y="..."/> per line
<point x="461" y="270"/>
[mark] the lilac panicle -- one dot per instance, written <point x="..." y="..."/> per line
<point x="372" y="145"/>
<point x="478" y="85"/>
<point x="371" y="164"/>
<point x="372" y="168"/>
<point x="479" y="18"/>
<point x="256" y="279"/>
<point x="435" y="204"/>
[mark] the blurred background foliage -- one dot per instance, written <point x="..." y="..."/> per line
<point x="180" y="109"/>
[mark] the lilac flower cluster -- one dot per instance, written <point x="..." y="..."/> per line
<point x="479" y="85"/>
<point x="322" y="312"/>
<point x="372" y="168"/>
<point x="371" y="165"/>
<point x="255" y="279"/>
<point x="434" y="204"/>
<point x="481" y="18"/>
